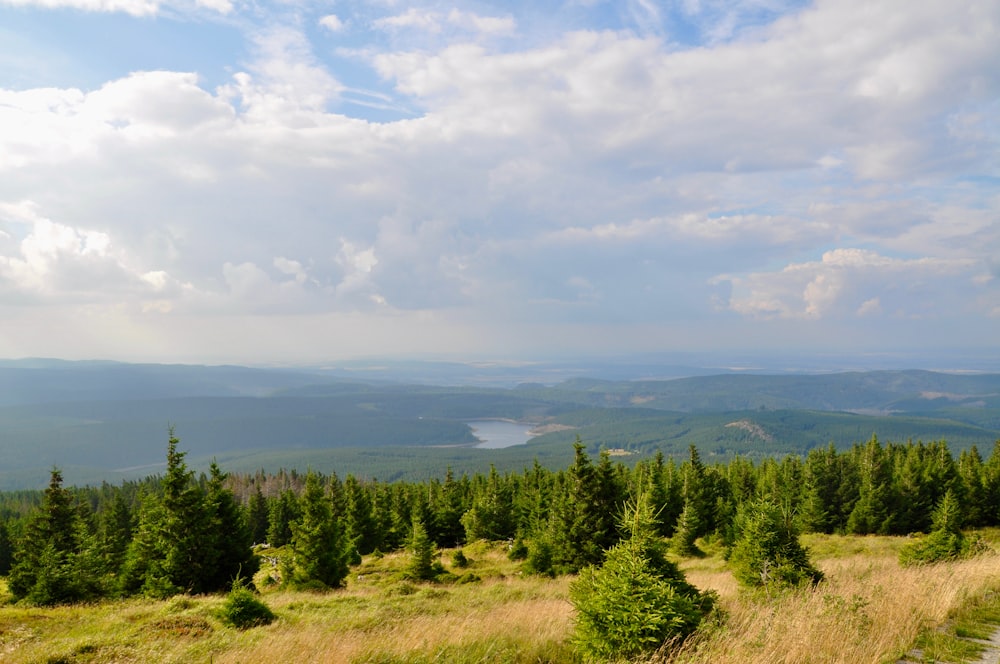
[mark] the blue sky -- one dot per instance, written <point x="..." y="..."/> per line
<point x="299" y="182"/>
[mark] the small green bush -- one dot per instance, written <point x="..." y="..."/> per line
<point x="946" y="541"/>
<point x="459" y="560"/>
<point x="638" y="600"/>
<point x="766" y="552"/>
<point x="518" y="550"/>
<point x="243" y="610"/>
<point x="539" y="560"/>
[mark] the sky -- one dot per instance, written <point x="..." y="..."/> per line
<point x="299" y="181"/>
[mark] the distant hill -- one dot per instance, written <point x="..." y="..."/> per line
<point x="104" y="421"/>
<point x="875" y="391"/>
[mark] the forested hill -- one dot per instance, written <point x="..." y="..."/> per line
<point x="106" y="421"/>
<point x="875" y="391"/>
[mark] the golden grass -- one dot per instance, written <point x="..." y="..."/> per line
<point x="868" y="610"/>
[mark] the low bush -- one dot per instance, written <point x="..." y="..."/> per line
<point x="243" y="609"/>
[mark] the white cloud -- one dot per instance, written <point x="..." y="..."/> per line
<point x="489" y="25"/>
<point x="137" y="8"/>
<point x="332" y="23"/>
<point x="853" y="282"/>
<point x="593" y="171"/>
<point x="133" y="7"/>
<point x="54" y="262"/>
<point x="413" y="18"/>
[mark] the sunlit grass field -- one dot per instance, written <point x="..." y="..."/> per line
<point x="868" y="610"/>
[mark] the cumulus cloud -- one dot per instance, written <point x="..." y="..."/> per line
<point x="54" y="262"/>
<point x="133" y="7"/>
<point x="611" y="173"/>
<point x="413" y="18"/>
<point x="332" y="23"/>
<point x="853" y="282"/>
<point x="138" y="8"/>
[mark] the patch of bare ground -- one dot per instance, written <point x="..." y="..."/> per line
<point x="542" y="429"/>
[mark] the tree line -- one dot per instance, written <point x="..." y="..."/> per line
<point x="182" y="533"/>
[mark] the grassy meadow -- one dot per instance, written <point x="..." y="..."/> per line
<point x="868" y="610"/>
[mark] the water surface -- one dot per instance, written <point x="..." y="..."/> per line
<point x="497" y="434"/>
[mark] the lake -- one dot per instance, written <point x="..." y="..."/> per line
<point x="496" y="434"/>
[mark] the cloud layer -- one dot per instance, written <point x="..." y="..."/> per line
<point x="408" y="178"/>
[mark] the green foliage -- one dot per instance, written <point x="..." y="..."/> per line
<point x="491" y="516"/>
<point x="518" y="550"/>
<point x="539" y="558"/>
<point x="243" y="609"/>
<point x="459" y="559"/>
<point x="318" y="549"/>
<point x="766" y="552"/>
<point x="945" y="542"/>
<point x="421" y="566"/>
<point x="582" y="523"/>
<point x="637" y="600"/>
<point x="57" y="560"/>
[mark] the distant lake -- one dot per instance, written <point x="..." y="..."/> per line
<point x="496" y="434"/>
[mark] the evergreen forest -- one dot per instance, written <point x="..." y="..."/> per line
<point x="182" y="533"/>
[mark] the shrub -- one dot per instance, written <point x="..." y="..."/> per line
<point x="459" y="560"/>
<point x="421" y="566"/>
<point x="946" y="541"/>
<point x="539" y="558"/>
<point x="518" y="550"/>
<point x="637" y="600"/>
<point x="766" y="552"/>
<point x="243" y="610"/>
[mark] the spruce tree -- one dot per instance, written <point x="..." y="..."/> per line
<point x="945" y="541"/>
<point x="421" y="565"/>
<point x="257" y="516"/>
<point x="582" y="526"/>
<point x="283" y="512"/>
<point x="318" y="548"/>
<point x="696" y="517"/>
<point x="56" y="560"/>
<point x="228" y="551"/>
<point x="361" y="529"/>
<point x="491" y="516"/>
<point x="175" y="549"/>
<point x="872" y="513"/>
<point x="767" y="552"/>
<point x="6" y="547"/>
<point x="637" y="600"/>
<point x="117" y="528"/>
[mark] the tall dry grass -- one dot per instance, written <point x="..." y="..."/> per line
<point x="868" y="610"/>
<point x="512" y="620"/>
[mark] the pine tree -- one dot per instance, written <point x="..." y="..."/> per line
<point x="491" y="516"/>
<point x="361" y="528"/>
<point x="319" y="550"/>
<point x="872" y="513"/>
<point x="447" y="508"/>
<point x="638" y="599"/>
<point x="56" y="560"/>
<point x="767" y="552"/>
<point x="945" y="541"/>
<point x="174" y="549"/>
<point x="421" y="565"/>
<point x="696" y="517"/>
<point x="582" y="526"/>
<point x="117" y="527"/>
<point x="257" y="516"/>
<point x="6" y="547"/>
<point x="283" y="512"/>
<point x="970" y="467"/>
<point x="821" y="477"/>
<point x="229" y="553"/>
